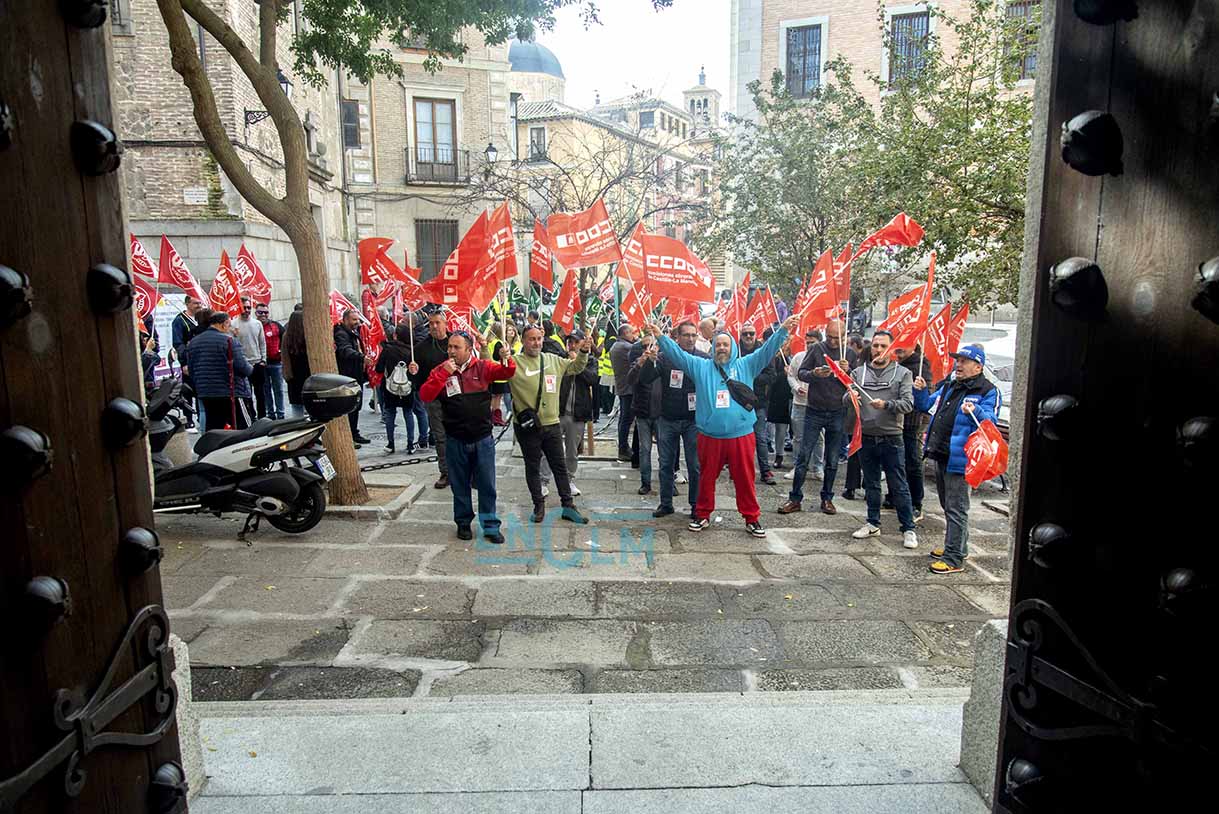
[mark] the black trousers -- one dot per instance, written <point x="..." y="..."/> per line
<point x="353" y="418"/>
<point x="258" y="383"/>
<point x="854" y="473"/>
<point x="219" y="413"/>
<point x="546" y="441"/>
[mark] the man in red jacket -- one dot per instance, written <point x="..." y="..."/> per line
<point x="462" y="386"/>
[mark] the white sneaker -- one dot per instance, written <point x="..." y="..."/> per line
<point x="909" y="539"/>
<point x="545" y="491"/>
<point x="681" y="478"/>
<point x="789" y="474"/>
<point x="868" y="530"/>
<point x="575" y="490"/>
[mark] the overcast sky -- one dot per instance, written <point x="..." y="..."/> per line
<point x="638" y="47"/>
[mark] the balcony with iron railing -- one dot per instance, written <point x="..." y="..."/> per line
<point x="428" y="164"/>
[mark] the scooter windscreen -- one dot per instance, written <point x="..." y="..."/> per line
<point x="163" y="398"/>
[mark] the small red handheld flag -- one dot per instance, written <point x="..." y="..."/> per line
<point x="226" y="293"/>
<point x="140" y="264"/>
<point x="985" y="454"/>
<point x="541" y="267"/>
<point x="568" y="303"/>
<point x="250" y="276"/>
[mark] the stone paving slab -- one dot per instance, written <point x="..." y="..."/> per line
<point x="592" y="563"/>
<point x="392" y="562"/>
<point x="508" y="681"/>
<point x="941" y="798"/>
<point x="657" y="600"/>
<point x="484" y="562"/>
<point x="861" y="642"/>
<point x="914" y="569"/>
<point x="410" y="599"/>
<point x="534" y="597"/>
<point x="634" y="681"/>
<point x="557" y="642"/>
<point x="995" y="600"/>
<point x="184" y="591"/>
<point x="840" y="678"/>
<point x="269" y="594"/>
<point x="771" y="600"/>
<point x="240" y="559"/>
<point x="951" y="640"/>
<point x="813" y="566"/>
<point x="490" y="802"/>
<point x="421" y="639"/>
<point x="269" y="642"/>
<point x="273" y="683"/>
<point x="744" y="642"/>
<point x="901" y="601"/>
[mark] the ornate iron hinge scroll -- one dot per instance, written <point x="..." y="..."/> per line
<point x="86" y="723"/>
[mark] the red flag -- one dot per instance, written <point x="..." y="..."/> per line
<point x="763" y="314"/>
<point x="456" y="283"/>
<point x="633" y="312"/>
<point x="956" y="329"/>
<point x="935" y="345"/>
<point x="376" y="267"/>
<point x="226" y="291"/>
<point x="735" y="313"/>
<point x="146" y="297"/>
<point x="723" y="308"/>
<point x="908" y="313"/>
<point x="679" y="311"/>
<point x="985" y="454"/>
<point x="631" y="266"/>
<point x="584" y="239"/>
<point x="372" y="333"/>
<point x="500" y="262"/>
<point x="172" y="270"/>
<point x="464" y="323"/>
<point x="842" y="274"/>
<point x="672" y="270"/>
<point x="339" y="304"/>
<point x="820" y="297"/>
<point x="857" y="433"/>
<point x="250" y="276"/>
<point x="140" y="264"/>
<point x="901" y="231"/>
<point x="839" y="374"/>
<point x="568" y="303"/>
<point x="541" y="267"/>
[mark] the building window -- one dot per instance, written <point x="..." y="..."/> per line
<point x="803" y="60"/>
<point x="908" y="45"/>
<point x="435" y="129"/>
<point x="1024" y="18"/>
<point x="647" y="118"/>
<point x="678" y="176"/>
<point x="435" y="240"/>
<point x="350" y="112"/>
<point x="298" y="17"/>
<point x="120" y="17"/>
<point x="537" y="143"/>
<point x="683" y="129"/>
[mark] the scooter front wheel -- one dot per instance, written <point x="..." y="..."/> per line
<point x="310" y="506"/>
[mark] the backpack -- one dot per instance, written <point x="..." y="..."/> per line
<point x="398" y="381"/>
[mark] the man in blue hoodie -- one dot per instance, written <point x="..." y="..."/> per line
<point x="725" y="427"/>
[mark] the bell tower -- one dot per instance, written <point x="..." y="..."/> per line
<point x="703" y="105"/>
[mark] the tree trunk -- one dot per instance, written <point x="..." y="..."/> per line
<point x="347" y="488"/>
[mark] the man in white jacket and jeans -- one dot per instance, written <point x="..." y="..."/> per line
<point x="799" y="403"/>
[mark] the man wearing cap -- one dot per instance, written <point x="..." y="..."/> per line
<point x="966" y="392"/>
<point x="461" y="385"/>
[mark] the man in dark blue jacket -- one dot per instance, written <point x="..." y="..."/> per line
<point x="676" y="426"/>
<point x="181" y="330"/>
<point x="221" y="372"/>
<point x="967" y="392"/>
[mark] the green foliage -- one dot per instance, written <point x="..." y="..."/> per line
<point x="361" y="36"/>
<point x="948" y="145"/>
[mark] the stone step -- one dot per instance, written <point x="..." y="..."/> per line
<point x="877" y="751"/>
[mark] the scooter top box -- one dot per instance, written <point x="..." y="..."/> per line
<point x="328" y="396"/>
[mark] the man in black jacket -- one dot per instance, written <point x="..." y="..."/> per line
<point x="761" y="386"/>
<point x="915" y="424"/>
<point x="181" y="330"/>
<point x="824" y="413"/>
<point x="430" y="352"/>
<point x="645" y="405"/>
<point x="349" y="355"/>
<point x="575" y="407"/>
<point x="676" y="425"/>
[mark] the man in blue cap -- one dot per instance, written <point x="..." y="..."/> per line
<point x="966" y="392"/>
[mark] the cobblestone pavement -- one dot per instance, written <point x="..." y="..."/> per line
<point x="626" y="604"/>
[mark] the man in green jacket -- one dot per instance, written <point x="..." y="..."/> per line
<point x="539" y="372"/>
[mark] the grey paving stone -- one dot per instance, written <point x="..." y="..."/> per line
<point x="178" y="527"/>
<point x="952" y="640"/>
<point x="586" y="562"/>
<point x="509" y="681"/>
<point x="857" y="642"/>
<point x="813" y="566"/>
<point x="580" y="642"/>
<point x="292" y="683"/>
<point x="738" y="642"/>
<point x="615" y="538"/>
<point x="941" y="675"/>
<point x="818" y="539"/>
<point x="900" y="601"/>
<point x="657" y="600"/>
<point x="995" y="600"/>
<point x="941" y="798"/>
<point x="410" y="599"/>
<point x="997" y="565"/>
<point x="184" y="591"/>
<point x="732" y="567"/>
<point x="188" y="628"/>
<point x="391" y="562"/>
<point x="227" y="683"/>
<point x="668" y="681"/>
<point x="468" y="561"/>
<point x="535" y="597"/>
<point x="269" y="642"/>
<point x="783" y="745"/>
<point x="771" y="600"/>
<point x="451" y="641"/>
<point x="488" y="802"/>
<point x="715" y="541"/>
<point x="268" y="594"/>
<point x="260" y="560"/>
<point x="425" y="751"/>
<point x="914" y="569"/>
<point x="177" y="553"/>
<point x="841" y="678"/>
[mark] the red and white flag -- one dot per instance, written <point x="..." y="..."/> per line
<point x="908" y="314"/>
<point x="903" y="230"/>
<point x="735" y="313"/>
<point x="820" y="298"/>
<point x="456" y="284"/>
<point x="679" y="311"/>
<point x="372" y="334"/>
<point x="763" y="314"/>
<point x="226" y="291"/>
<point x="844" y="378"/>
<point x="631" y="266"/>
<point x="499" y="264"/>
<point x="376" y="266"/>
<point x="339" y="304"/>
<point x="632" y="307"/>
<point x="140" y="262"/>
<point x="935" y="345"/>
<point x="250" y="276"/>
<point x="541" y="265"/>
<point x="568" y="303"/>
<point x="145" y="296"/>
<point x="585" y="238"/>
<point x="172" y="270"/>
<point x="672" y="270"/>
<point x="463" y="321"/>
<point x="985" y="454"/>
<point x="956" y="329"/>
<point x="842" y="274"/>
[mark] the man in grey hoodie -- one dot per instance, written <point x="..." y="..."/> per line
<point x="887" y="395"/>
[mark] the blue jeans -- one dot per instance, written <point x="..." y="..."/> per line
<point x="671" y="436"/>
<point x="626" y="417"/>
<point x="390" y="405"/>
<point x="889" y="453"/>
<point x="419" y="411"/>
<point x="954" y="500"/>
<point x="816" y="421"/>
<point x="273" y="381"/>
<point x="472" y="463"/>
<point x="645" y="427"/>
<point x="759" y="436"/>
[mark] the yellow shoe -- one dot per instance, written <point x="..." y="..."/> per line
<point x="941" y="567"/>
<point x="937" y="553"/>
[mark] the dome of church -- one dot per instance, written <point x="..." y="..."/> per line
<point x="533" y="57"/>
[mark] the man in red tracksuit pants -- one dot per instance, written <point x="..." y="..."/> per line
<point x="725" y="427"/>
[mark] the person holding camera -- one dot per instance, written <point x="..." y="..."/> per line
<point x="724" y="414"/>
<point x="535" y="420"/>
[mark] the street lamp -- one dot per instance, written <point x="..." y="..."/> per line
<point x="255" y="116"/>
<point x="491" y="153"/>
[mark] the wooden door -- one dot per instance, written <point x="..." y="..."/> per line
<point x="86" y="698"/>
<point x="1108" y="699"/>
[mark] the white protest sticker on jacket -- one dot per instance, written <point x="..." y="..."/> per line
<point x="689" y="401"/>
<point x="676" y="378"/>
<point x="721" y="399"/>
<point x="452" y="386"/>
<point x="551" y="382"/>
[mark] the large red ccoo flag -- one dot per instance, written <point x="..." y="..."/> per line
<point x="903" y="230"/>
<point x="584" y="239"/>
<point x="541" y="266"/>
<point x="250" y="277"/>
<point x="172" y="270"/>
<point x="226" y="292"/>
<point x="672" y="270"/>
<point x="935" y="345"/>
